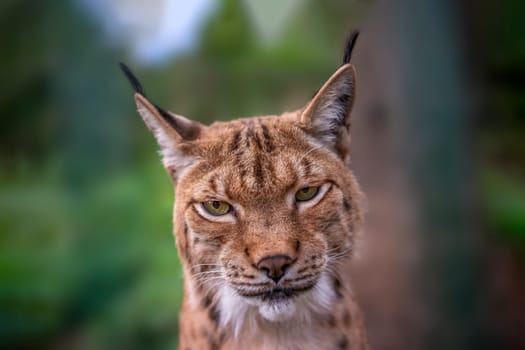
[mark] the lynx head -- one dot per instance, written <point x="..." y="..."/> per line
<point x="266" y="207"/>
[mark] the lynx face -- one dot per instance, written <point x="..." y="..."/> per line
<point x="266" y="207"/>
<point x="263" y="214"/>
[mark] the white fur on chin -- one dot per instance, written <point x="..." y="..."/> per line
<point x="249" y="315"/>
<point x="277" y="311"/>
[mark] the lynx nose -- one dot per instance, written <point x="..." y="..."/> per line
<point x="274" y="266"/>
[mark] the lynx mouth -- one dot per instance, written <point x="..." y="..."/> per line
<point x="277" y="293"/>
<point x="278" y="302"/>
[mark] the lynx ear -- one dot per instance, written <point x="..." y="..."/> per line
<point x="327" y="116"/>
<point x="170" y="130"/>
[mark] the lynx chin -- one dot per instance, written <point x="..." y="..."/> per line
<point x="265" y="220"/>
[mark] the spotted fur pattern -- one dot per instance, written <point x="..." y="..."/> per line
<point x="257" y="165"/>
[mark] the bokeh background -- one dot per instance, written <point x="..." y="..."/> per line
<point x="87" y="259"/>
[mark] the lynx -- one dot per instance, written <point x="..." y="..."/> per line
<point x="265" y="218"/>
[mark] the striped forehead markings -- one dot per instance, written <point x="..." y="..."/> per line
<point x="248" y="142"/>
<point x="235" y="141"/>
<point x="249" y="133"/>
<point x="253" y="132"/>
<point x="251" y="144"/>
<point x="268" y="146"/>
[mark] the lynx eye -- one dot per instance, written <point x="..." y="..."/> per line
<point x="217" y="208"/>
<point x="305" y="194"/>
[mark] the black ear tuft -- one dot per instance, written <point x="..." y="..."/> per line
<point x="350" y="46"/>
<point x="135" y="83"/>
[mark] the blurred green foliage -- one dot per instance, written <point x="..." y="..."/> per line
<point x="501" y="130"/>
<point x="103" y="260"/>
<point x="504" y="201"/>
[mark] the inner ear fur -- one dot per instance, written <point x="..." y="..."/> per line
<point x="160" y="121"/>
<point x="172" y="132"/>
<point x="327" y="115"/>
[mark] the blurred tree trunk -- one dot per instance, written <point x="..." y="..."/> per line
<point x="417" y="276"/>
<point x="437" y="153"/>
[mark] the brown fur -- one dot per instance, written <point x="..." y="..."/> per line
<point x="257" y="165"/>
